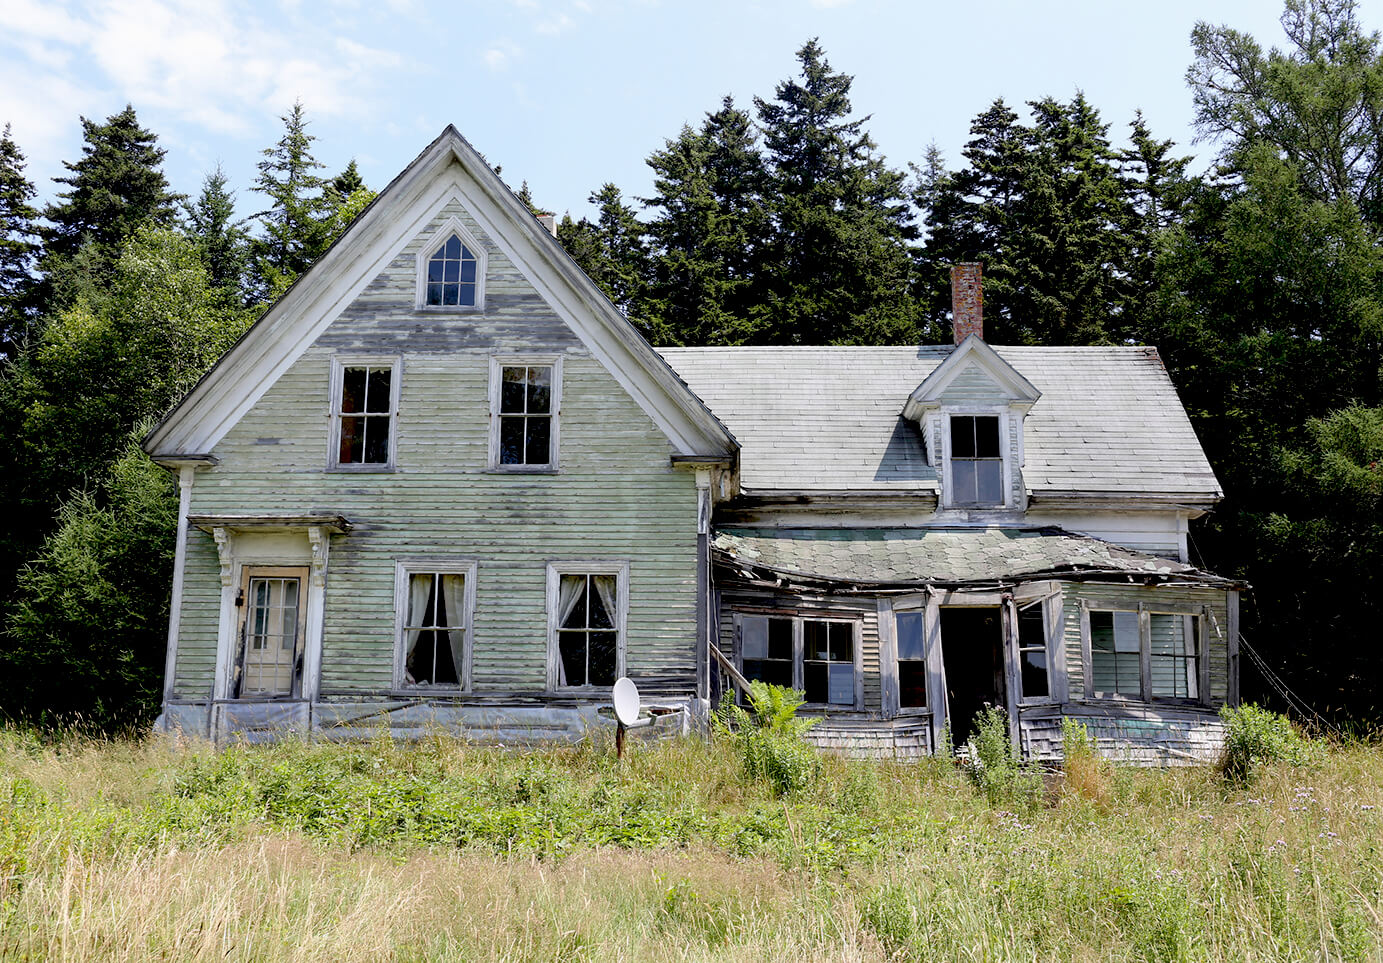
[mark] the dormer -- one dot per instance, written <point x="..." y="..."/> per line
<point x="970" y="411"/>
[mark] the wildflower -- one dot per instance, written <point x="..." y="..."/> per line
<point x="1367" y="807"/>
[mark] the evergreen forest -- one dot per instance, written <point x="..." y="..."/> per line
<point x="776" y="220"/>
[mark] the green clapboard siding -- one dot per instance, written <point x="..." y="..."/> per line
<point x="1168" y="633"/>
<point x="616" y="497"/>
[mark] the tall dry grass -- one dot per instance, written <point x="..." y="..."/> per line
<point x="146" y="850"/>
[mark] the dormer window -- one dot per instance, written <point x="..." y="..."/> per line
<point x="451" y="269"/>
<point x="977" y="462"/>
<point x="451" y="275"/>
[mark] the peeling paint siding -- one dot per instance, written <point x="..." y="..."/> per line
<point x="1101" y="595"/>
<point x="201" y="612"/>
<point x="615" y="498"/>
<point x="1142" y="734"/>
<point x="971" y="387"/>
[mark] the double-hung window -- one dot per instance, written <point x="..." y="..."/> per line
<point x="819" y="656"/>
<point x="524" y="402"/>
<point x="1145" y="655"/>
<point x="587" y="607"/>
<point x="434" y="601"/>
<point x="364" y="406"/>
<point x="977" y="462"/>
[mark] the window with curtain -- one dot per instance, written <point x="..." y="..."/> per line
<point x="588" y="629"/>
<point x="435" y="629"/>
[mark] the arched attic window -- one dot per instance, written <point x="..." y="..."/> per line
<point x="452" y="276"/>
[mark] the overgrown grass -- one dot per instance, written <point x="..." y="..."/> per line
<point x="443" y="850"/>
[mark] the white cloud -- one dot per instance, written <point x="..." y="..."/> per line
<point x="213" y="63"/>
<point x="499" y="56"/>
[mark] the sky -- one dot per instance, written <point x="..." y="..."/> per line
<point x="570" y="94"/>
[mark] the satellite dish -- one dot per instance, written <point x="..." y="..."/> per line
<point x="626" y="696"/>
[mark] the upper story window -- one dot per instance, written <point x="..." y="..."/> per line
<point x="451" y="270"/>
<point x="523" y="414"/>
<point x="364" y="401"/>
<point x="451" y="275"/>
<point x="977" y="462"/>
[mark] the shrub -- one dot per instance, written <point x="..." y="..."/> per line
<point x="768" y="737"/>
<point x="1255" y="737"/>
<point x="993" y="764"/>
<point x="1085" y="773"/>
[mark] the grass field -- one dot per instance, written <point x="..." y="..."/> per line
<point x="147" y="850"/>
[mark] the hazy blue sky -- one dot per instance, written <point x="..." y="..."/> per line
<point x="568" y="94"/>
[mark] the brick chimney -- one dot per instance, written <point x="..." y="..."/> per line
<point x="967" y="301"/>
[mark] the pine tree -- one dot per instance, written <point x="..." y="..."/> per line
<point x="1046" y="211"/>
<point x="710" y="231"/>
<point x="614" y="253"/>
<point x="116" y="186"/>
<point x="343" y="185"/>
<point x="222" y="240"/>
<point x="294" y="235"/>
<point x="840" y="257"/>
<point x="18" y="246"/>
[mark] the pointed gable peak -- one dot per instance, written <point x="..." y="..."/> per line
<point x="974" y="353"/>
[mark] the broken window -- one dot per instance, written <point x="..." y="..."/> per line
<point x="1119" y="641"/>
<point x="1173" y="648"/>
<point x="526" y="415"/>
<point x="1032" y="652"/>
<point x="912" y="660"/>
<point x="1114" y="653"/>
<point x="588" y="629"/>
<point x="363" y="414"/>
<point x="271" y="633"/>
<point x="451" y="275"/>
<point x="766" y="650"/>
<point x="816" y="656"/>
<point x="977" y="463"/>
<point x="435" y="629"/>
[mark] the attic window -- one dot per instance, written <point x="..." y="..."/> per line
<point x="451" y="275"/>
<point x="977" y="462"/>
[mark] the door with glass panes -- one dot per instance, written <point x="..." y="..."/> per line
<point x="273" y="616"/>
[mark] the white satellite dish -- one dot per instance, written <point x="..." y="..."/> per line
<point x="626" y="696"/>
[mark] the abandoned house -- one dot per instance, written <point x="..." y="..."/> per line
<point x="443" y="482"/>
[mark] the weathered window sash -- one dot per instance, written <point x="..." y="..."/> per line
<point x="386" y="413"/>
<point x="799" y="661"/>
<point x="404" y="570"/>
<point x="1195" y="631"/>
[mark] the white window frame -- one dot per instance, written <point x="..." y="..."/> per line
<point x="336" y="384"/>
<point x="1050" y="607"/>
<point x="948" y="487"/>
<point x="404" y="569"/>
<point x="1195" y="626"/>
<point x="435" y="240"/>
<point x="619" y="568"/>
<point x="497" y="365"/>
<point x="798" y="617"/>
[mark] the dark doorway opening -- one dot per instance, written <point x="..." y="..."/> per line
<point x="972" y="653"/>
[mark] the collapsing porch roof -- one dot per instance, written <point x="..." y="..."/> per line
<point x="882" y="559"/>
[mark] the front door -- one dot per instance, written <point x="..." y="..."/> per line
<point x="972" y="655"/>
<point x="272" y="628"/>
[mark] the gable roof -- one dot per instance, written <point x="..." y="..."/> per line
<point x="972" y="352"/>
<point x="818" y="419"/>
<point x="448" y="169"/>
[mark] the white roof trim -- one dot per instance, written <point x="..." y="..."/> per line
<point x="449" y="169"/>
<point x="972" y="351"/>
